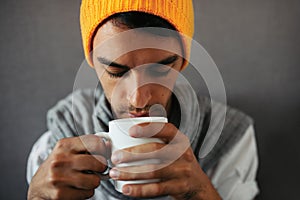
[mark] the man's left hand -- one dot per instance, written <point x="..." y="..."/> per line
<point x="179" y="172"/>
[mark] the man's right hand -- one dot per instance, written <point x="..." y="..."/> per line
<point x="64" y="175"/>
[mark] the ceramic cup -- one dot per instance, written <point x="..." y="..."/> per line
<point x="120" y="139"/>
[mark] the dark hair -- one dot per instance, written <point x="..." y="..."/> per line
<point x="137" y="19"/>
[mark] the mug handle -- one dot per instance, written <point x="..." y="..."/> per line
<point x="104" y="175"/>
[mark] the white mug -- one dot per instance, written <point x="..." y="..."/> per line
<point x="120" y="139"/>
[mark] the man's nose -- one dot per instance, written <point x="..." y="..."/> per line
<point x="140" y="97"/>
<point x="139" y="93"/>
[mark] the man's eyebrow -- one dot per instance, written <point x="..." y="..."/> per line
<point x="166" y="61"/>
<point x="112" y="64"/>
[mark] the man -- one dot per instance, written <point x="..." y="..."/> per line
<point x="68" y="160"/>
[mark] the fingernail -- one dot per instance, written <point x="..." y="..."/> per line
<point x="113" y="173"/>
<point x="136" y="131"/>
<point x="126" y="190"/>
<point x="116" y="157"/>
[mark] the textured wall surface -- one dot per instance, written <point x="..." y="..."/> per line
<point x="255" y="44"/>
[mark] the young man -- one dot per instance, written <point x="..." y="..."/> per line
<point x="65" y="161"/>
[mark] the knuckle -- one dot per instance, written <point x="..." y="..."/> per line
<point x="185" y="184"/>
<point x="189" y="156"/>
<point x="93" y="143"/>
<point x="57" y="194"/>
<point x="57" y="161"/>
<point x="53" y="180"/>
<point x="138" y="191"/>
<point x="89" y="184"/>
<point x="55" y="164"/>
<point x="157" y="146"/>
<point x="187" y="172"/>
<point x="103" y="161"/>
<point x="89" y="138"/>
<point x="96" y="181"/>
<point x="62" y="143"/>
<point x="90" y="193"/>
<point x="154" y="190"/>
<point x="158" y="189"/>
<point x="100" y="164"/>
<point x="171" y="127"/>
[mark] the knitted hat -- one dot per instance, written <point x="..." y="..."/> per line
<point x="179" y="13"/>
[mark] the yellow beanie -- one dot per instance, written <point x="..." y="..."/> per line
<point x="179" y="13"/>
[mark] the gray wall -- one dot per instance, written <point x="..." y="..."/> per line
<point x="256" y="45"/>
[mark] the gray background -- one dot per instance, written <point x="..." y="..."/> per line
<point x="256" y="45"/>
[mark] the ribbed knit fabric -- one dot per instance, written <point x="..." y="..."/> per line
<point x="179" y="13"/>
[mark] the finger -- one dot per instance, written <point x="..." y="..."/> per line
<point x="166" y="153"/>
<point x="136" y="153"/>
<point x="70" y="193"/>
<point x="85" y="181"/>
<point x="87" y="143"/>
<point x="108" y="146"/>
<point x="95" y="145"/>
<point x="74" y="179"/>
<point x="176" y="170"/>
<point x="85" y="162"/>
<point x="164" y="131"/>
<point x="169" y="187"/>
<point x="143" y="172"/>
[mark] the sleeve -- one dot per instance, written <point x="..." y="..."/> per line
<point x="39" y="153"/>
<point x="234" y="176"/>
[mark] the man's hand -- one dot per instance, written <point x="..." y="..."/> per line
<point x="64" y="174"/>
<point x="179" y="171"/>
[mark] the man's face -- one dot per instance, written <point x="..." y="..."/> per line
<point x="137" y="83"/>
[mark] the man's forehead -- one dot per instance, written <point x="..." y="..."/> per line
<point x="115" y="41"/>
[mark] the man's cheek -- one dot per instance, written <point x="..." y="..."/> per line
<point x="108" y="90"/>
